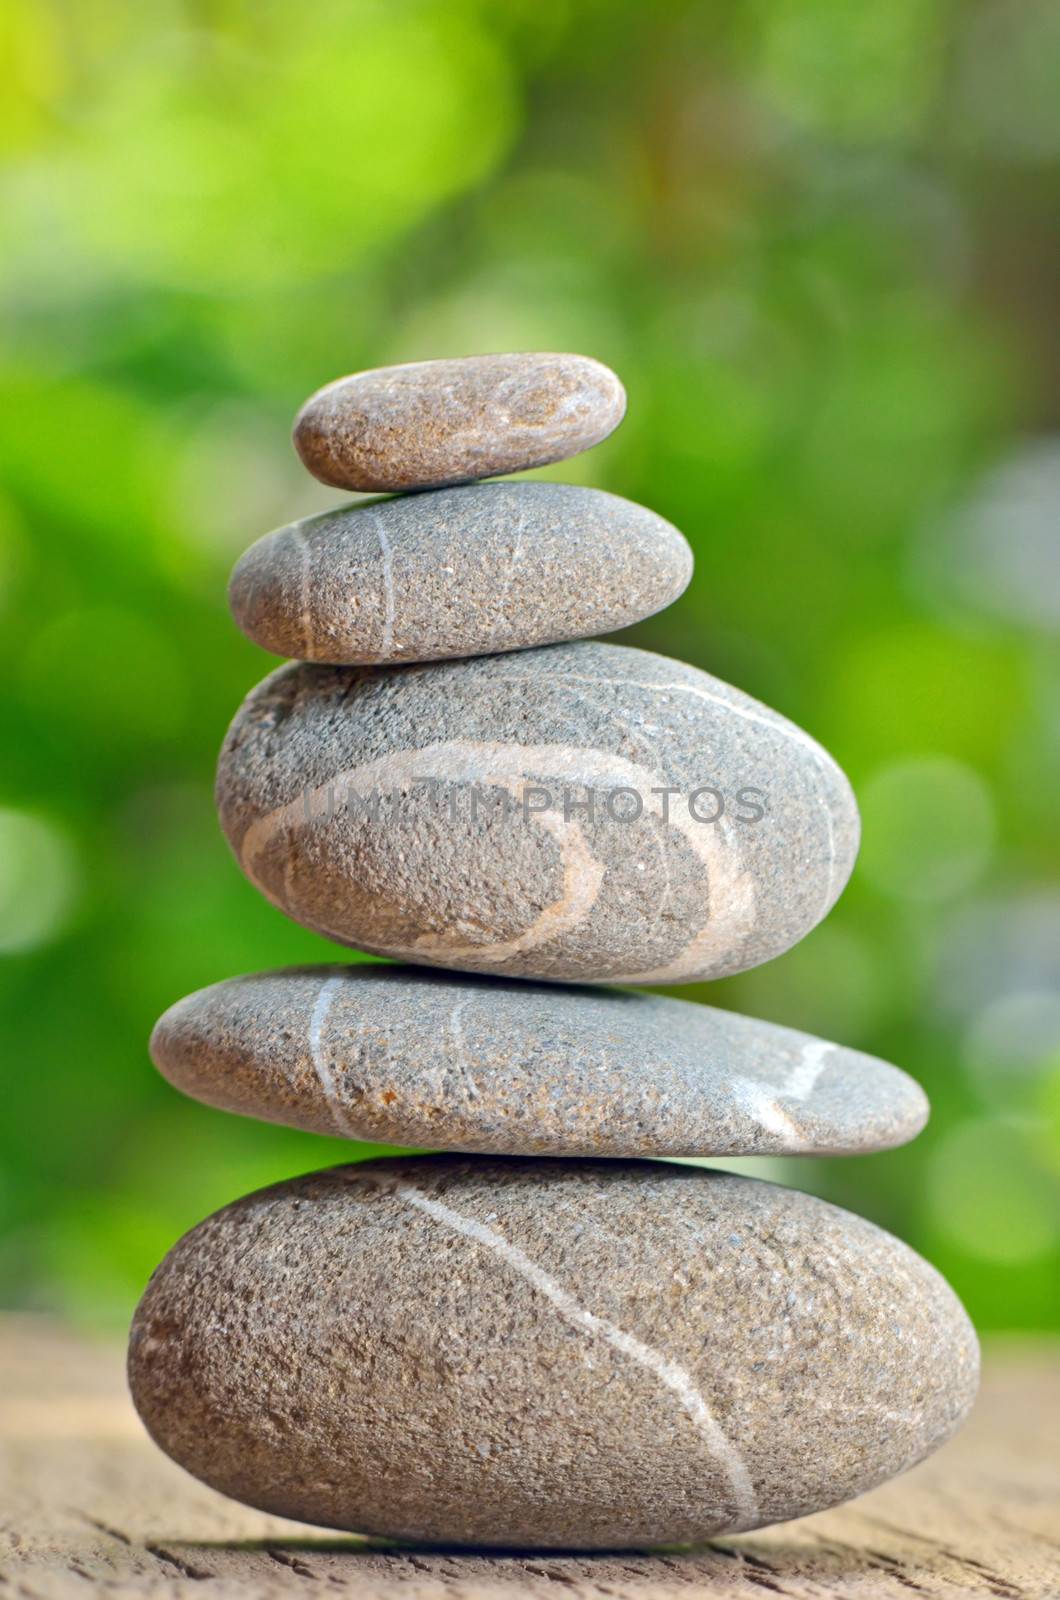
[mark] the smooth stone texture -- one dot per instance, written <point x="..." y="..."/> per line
<point x="419" y="859"/>
<point x="552" y="1354"/>
<point x="457" y="572"/>
<point x="429" y="423"/>
<point x="396" y="1055"/>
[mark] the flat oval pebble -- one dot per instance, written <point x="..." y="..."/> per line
<point x="546" y="1353"/>
<point x="400" y="1056"/>
<point x="457" y="572"/>
<point x="441" y="814"/>
<point x="430" y="423"/>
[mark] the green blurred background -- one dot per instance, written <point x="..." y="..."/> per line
<point x="815" y="238"/>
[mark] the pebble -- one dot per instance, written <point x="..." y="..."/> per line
<point x="457" y="572"/>
<point x="401" y="1056"/>
<point x="440" y="814"/>
<point x="546" y="1354"/>
<point x="430" y="423"/>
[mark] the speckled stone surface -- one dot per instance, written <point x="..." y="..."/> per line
<point x="457" y="572"/>
<point x="397" y="1055"/>
<point x="430" y="814"/>
<point x="552" y="1354"/>
<point x="430" y="423"/>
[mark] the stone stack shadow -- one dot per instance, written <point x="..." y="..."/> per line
<point x="541" y="1338"/>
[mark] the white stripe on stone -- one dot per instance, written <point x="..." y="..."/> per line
<point x="802" y="1079"/>
<point x="486" y="762"/>
<point x="321" y="1065"/>
<point x="386" y="638"/>
<point x="460" y="1056"/>
<point x="516" y="556"/>
<point x="799" y="1084"/>
<point x="762" y="1106"/>
<point x="669" y="1373"/>
<point x="305" y="557"/>
<point x="766" y="719"/>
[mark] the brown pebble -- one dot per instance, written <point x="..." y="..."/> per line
<point x="431" y="423"/>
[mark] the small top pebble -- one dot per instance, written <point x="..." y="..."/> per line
<point x="431" y="423"/>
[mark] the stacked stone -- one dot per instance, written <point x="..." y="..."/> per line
<point x="541" y="1338"/>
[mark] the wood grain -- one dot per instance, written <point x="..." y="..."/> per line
<point x="88" y="1504"/>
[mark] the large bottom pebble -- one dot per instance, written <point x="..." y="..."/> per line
<point x="546" y="1353"/>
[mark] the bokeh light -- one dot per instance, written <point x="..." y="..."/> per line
<point x="996" y="947"/>
<point x="38" y="881"/>
<point x="1012" y="1045"/>
<point x="999" y="551"/>
<point x="928" y="828"/>
<point x="988" y="1193"/>
<point x="1006" y="102"/>
<point x="864" y="72"/>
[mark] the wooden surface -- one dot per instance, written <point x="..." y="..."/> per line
<point x="87" y="1505"/>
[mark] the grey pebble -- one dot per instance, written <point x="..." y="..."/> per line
<point x="431" y="814"/>
<point x="457" y="572"/>
<point x="431" y="423"/>
<point x="546" y="1354"/>
<point x="397" y="1055"/>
